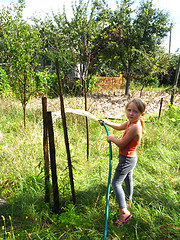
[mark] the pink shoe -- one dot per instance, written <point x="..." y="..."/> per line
<point x="118" y="221"/>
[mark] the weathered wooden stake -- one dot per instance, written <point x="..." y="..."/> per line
<point x="87" y="124"/>
<point x="160" y="107"/>
<point x="65" y="132"/>
<point x="24" y="104"/>
<point x="45" y="149"/>
<point x="53" y="161"/>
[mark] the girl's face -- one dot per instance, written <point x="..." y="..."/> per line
<point x="132" y="113"/>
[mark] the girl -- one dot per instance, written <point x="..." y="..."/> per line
<point x="135" y="111"/>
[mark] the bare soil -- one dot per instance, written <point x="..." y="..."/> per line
<point x="111" y="104"/>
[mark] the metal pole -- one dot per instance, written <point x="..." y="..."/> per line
<point x="175" y="82"/>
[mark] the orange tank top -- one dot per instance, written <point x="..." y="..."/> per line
<point x="130" y="149"/>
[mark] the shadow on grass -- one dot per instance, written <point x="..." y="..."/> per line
<point x="153" y="214"/>
<point x="29" y="213"/>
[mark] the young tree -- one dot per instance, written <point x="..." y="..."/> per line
<point x="21" y="46"/>
<point x="75" y="40"/>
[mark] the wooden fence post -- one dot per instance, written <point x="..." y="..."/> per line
<point x="160" y="107"/>
<point x="65" y="132"/>
<point x="53" y="161"/>
<point x="45" y="149"/>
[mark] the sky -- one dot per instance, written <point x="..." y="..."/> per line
<point x="41" y="7"/>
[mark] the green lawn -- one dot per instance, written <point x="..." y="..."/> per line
<point x="155" y="205"/>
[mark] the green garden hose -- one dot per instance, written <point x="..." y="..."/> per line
<point x="109" y="183"/>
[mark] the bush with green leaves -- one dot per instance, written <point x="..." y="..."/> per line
<point x="46" y="83"/>
<point x="92" y="80"/>
<point x="4" y="84"/>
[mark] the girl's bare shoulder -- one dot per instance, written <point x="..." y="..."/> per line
<point x="135" y="127"/>
<point x="123" y="125"/>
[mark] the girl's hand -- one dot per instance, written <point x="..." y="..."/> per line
<point x="101" y="122"/>
<point x="109" y="138"/>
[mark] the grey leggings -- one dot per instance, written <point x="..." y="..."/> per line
<point x="124" y="172"/>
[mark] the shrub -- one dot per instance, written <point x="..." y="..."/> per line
<point x="4" y="84"/>
<point x="46" y="84"/>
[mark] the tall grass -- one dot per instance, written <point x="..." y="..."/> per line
<point x="155" y="205"/>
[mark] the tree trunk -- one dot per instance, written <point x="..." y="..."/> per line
<point x="128" y="81"/>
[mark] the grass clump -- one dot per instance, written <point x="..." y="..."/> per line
<point x="155" y="205"/>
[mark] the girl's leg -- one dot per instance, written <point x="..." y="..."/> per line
<point x="118" y="190"/>
<point x="120" y="196"/>
<point x="129" y="185"/>
<point x="123" y="172"/>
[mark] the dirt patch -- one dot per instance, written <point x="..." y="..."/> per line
<point x="112" y="105"/>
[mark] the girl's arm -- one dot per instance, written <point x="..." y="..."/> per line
<point x="132" y="133"/>
<point x="115" y="126"/>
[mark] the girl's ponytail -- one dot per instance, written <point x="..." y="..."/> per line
<point x="142" y="124"/>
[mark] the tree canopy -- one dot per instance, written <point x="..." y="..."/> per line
<point x="100" y="40"/>
<point x="131" y="33"/>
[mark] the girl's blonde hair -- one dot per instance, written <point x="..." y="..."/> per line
<point x="141" y="106"/>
